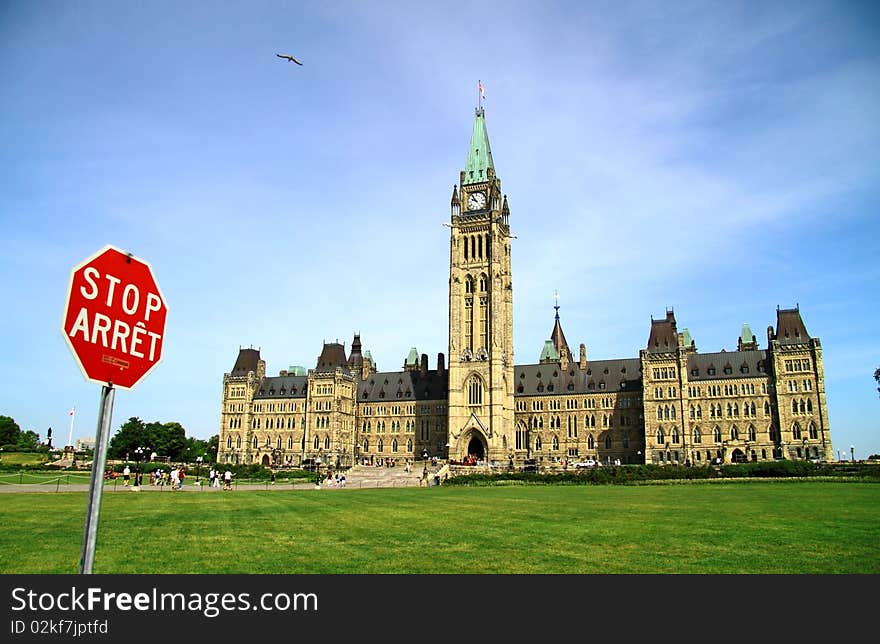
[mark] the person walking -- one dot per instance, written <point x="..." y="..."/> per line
<point x="126" y="475"/>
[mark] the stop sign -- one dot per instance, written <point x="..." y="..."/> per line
<point x="114" y="318"/>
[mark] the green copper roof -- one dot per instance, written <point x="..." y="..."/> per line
<point x="686" y="337"/>
<point x="413" y="357"/>
<point x="367" y="354"/>
<point x="549" y="352"/>
<point x="479" y="158"/>
<point x="746" y="334"/>
<point x="297" y="371"/>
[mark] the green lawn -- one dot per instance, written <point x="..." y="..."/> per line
<point x="742" y="527"/>
<point x="23" y="458"/>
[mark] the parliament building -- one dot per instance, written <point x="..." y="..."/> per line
<point x="669" y="405"/>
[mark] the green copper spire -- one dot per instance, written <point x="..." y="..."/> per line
<point x="479" y="158"/>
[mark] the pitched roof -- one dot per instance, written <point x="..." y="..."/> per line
<point x="479" y="158"/>
<point x="598" y="376"/>
<point x="246" y="361"/>
<point x="790" y="328"/>
<point x="559" y="341"/>
<point x="332" y="356"/>
<point x="726" y="365"/>
<point x="393" y="386"/>
<point x="664" y="336"/>
<point x="282" y="387"/>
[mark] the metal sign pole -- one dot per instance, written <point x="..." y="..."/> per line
<point x="96" y="486"/>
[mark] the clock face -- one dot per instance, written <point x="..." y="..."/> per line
<point x="476" y="201"/>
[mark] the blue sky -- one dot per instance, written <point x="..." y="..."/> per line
<point x="718" y="158"/>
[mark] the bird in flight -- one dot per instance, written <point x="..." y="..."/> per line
<point x="290" y="58"/>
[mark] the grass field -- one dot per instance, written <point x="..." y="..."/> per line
<point x="23" y="458"/>
<point x="742" y="527"/>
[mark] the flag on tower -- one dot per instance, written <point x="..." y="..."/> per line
<point x="72" y="410"/>
<point x="482" y="93"/>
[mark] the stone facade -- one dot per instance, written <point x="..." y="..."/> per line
<point x="669" y="405"/>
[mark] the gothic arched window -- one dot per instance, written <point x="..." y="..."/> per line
<point x="475" y="391"/>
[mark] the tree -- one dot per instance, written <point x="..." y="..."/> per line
<point x="877" y="378"/>
<point x="133" y="433"/>
<point x="28" y="441"/>
<point x="9" y="431"/>
<point x="213" y="444"/>
<point x="168" y="439"/>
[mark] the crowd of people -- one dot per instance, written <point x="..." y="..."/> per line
<point x="172" y="478"/>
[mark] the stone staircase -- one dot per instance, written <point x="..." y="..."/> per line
<point x="366" y="476"/>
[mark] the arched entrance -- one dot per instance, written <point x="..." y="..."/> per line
<point x="476" y="448"/>
<point x="737" y="456"/>
<point x="265" y="460"/>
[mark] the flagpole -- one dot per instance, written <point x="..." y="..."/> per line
<point x="72" y="415"/>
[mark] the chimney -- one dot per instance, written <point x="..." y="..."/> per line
<point x="423" y="370"/>
<point x="563" y="360"/>
<point x="282" y="373"/>
<point x="441" y="364"/>
<point x="583" y="361"/>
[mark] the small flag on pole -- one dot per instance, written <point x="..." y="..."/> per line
<point x="482" y="93"/>
<point x="72" y="410"/>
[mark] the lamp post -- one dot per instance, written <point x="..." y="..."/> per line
<point x="198" y="467"/>
<point x="852" y="453"/>
<point x="138" y="454"/>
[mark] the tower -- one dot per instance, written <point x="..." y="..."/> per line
<point x="480" y="413"/>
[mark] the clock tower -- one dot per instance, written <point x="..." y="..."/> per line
<point x="481" y="407"/>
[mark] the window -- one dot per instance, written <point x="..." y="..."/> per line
<point x="675" y="438"/>
<point x="591" y="443"/>
<point x="608" y="441"/>
<point x="717" y="434"/>
<point x="537" y="443"/>
<point x="796" y="432"/>
<point x="813" y="433"/>
<point x="698" y="436"/>
<point x="752" y="433"/>
<point x="734" y="433"/>
<point x="661" y="437"/>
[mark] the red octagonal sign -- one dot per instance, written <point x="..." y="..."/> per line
<point x="114" y="318"/>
